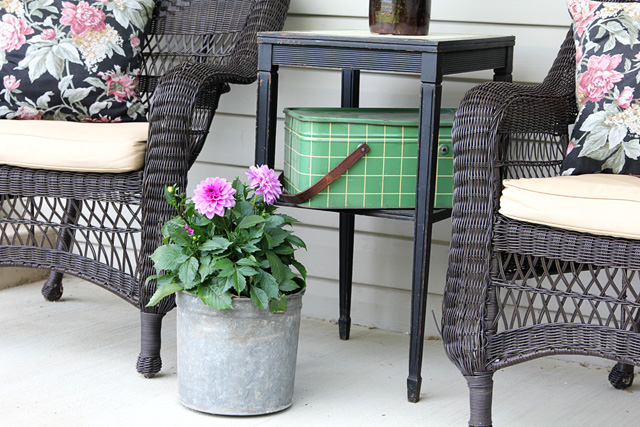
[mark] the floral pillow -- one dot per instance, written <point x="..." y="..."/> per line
<point x="606" y="135"/>
<point x="71" y="60"/>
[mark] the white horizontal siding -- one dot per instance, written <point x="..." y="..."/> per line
<point x="383" y="258"/>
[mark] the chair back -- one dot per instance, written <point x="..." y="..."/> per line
<point x="219" y="32"/>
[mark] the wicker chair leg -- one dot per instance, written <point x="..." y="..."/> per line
<point x="149" y="361"/>
<point x="52" y="289"/>
<point x="480" y="396"/>
<point x="621" y="376"/>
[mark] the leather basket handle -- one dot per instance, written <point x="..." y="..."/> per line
<point x="326" y="180"/>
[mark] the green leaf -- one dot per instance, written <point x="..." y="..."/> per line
<point x="296" y="241"/>
<point x="215" y="245"/>
<point x="276" y="236"/>
<point x="215" y="297"/>
<point x="174" y="229"/>
<point x="243" y="208"/>
<point x="249" y="248"/>
<point x="287" y="219"/>
<point x="250" y="221"/>
<point x="188" y="272"/>
<point x="247" y="271"/>
<point x="205" y="268"/>
<point x="251" y="262"/>
<point x="277" y="267"/>
<point x="274" y="222"/>
<point x="226" y="282"/>
<point x="288" y="285"/>
<point x="168" y="257"/>
<point x="301" y="269"/>
<point x="162" y="292"/>
<point x="278" y="305"/>
<point x="226" y="267"/>
<point x="259" y="298"/>
<point x="267" y="283"/>
<point x="239" y="282"/>
<point x="284" y="250"/>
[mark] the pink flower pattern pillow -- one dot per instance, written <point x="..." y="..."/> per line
<point x="606" y="135"/>
<point x="72" y="60"/>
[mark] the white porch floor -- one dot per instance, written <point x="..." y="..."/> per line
<point x="72" y="363"/>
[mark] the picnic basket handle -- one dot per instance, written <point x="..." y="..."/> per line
<point x="330" y="177"/>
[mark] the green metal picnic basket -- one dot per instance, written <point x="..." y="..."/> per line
<point x="318" y="140"/>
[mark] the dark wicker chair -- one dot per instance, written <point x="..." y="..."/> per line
<point x="515" y="290"/>
<point x="105" y="226"/>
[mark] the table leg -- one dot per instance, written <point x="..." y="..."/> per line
<point x="350" y="99"/>
<point x="266" y="113"/>
<point x="347" y="227"/>
<point x="426" y="178"/>
<point x="504" y="74"/>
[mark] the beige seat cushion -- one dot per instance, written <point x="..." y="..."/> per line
<point x="603" y="204"/>
<point x="71" y="146"/>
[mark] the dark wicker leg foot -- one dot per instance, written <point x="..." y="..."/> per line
<point x="52" y="289"/>
<point x="149" y="361"/>
<point x="621" y="376"/>
<point x="480" y="394"/>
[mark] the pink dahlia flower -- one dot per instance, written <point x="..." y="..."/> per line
<point x="11" y="83"/>
<point x="600" y="76"/>
<point x="188" y="230"/>
<point x="266" y="183"/>
<point x="213" y="195"/>
<point x="82" y="18"/>
<point x="12" y="33"/>
<point x="120" y="85"/>
<point x="625" y="98"/>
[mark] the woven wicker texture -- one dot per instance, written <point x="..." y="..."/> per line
<point x="517" y="291"/>
<point x="103" y="227"/>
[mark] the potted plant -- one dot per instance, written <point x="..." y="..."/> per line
<point x="230" y="258"/>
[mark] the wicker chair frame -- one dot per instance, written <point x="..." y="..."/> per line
<point x="103" y="227"/>
<point x="517" y="291"/>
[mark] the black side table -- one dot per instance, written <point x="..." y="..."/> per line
<point x="431" y="57"/>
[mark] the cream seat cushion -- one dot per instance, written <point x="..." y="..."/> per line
<point x="72" y="146"/>
<point x="603" y="204"/>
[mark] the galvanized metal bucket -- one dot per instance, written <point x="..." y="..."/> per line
<point x="236" y="362"/>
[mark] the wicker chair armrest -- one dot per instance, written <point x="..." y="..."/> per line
<point x="177" y="96"/>
<point x="494" y="117"/>
<point x="265" y="15"/>
<point x="490" y="118"/>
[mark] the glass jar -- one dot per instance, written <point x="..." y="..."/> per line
<point x="400" y="17"/>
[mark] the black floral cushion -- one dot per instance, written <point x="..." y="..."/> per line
<point x="606" y="135"/>
<point x="72" y="60"/>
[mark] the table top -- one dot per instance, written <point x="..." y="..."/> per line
<point x="364" y="38"/>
